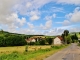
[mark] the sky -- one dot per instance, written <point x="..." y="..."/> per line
<point x="40" y="17"/>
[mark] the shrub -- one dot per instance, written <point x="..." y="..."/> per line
<point x="37" y="43"/>
<point x="49" y="40"/>
<point x="42" y="42"/>
<point x="26" y="48"/>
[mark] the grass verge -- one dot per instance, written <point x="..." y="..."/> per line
<point x="32" y="55"/>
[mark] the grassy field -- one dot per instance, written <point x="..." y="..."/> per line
<point x="39" y="54"/>
<point x="21" y="49"/>
<point x="78" y="35"/>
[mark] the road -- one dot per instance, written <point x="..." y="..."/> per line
<point x="70" y="53"/>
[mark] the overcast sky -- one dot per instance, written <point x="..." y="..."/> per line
<point x="46" y="17"/>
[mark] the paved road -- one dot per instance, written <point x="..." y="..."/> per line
<point x="70" y="53"/>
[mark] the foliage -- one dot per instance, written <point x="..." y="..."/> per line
<point x="32" y="43"/>
<point x="49" y="40"/>
<point x="12" y="56"/>
<point x="8" y="39"/>
<point x="2" y="41"/>
<point x="66" y="32"/>
<point x="74" y="38"/>
<point x="37" y="43"/>
<point x="66" y="37"/>
<point x="42" y="42"/>
<point x="26" y="48"/>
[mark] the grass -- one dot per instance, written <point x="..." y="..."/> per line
<point x="31" y="55"/>
<point x="21" y="49"/>
<point x="11" y="49"/>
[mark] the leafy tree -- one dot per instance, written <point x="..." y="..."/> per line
<point x="63" y="36"/>
<point x="74" y="38"/>
<point x="2" y="41"/>
<point x="66" y="32"/>
<point x="68" y="39"/>
<point x="42" y="42"/>
<point x="49" y="40"/>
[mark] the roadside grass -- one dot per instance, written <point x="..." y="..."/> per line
<point x="21" y="49"/>
<point x="32" y="55"/>
<point x="78" y="44"/>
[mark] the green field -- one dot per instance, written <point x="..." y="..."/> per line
<point x="18" y="52"/>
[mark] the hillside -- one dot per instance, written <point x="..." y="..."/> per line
<point x="77" y="33"/>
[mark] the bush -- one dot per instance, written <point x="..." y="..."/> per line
<point x="42" y="42"/>
<point x="37" y="43"/>
<point x="49" y="40"/>
<point x="26" y="48"/>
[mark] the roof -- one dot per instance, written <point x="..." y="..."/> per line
<point x="29" y="39"/>
<point x="60" y="37"/>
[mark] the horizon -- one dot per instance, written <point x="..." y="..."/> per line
<point x="44" y="17"/>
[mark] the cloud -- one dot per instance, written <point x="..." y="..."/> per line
<point x="47" y="25"/>
<point x="29" y="31"/>
<point x="64" y="23"/>
<point x="9" y="17"/>
<point x="57" y="9"/>
<point x="13" y="19"/>
<point x="54" y="32"/>
<point x="6" y="6"/>
<point x="34" y="17"/>
<point x="75" y="16"/>
<point x="28" y="4"/>
<point x="50" y="17"/>
<point x="75" y="2"/>
<point x="31" y="26"/>
<point x="75" y="29"/>
<point x="54" y="15"/>
<point x="12" y="22"/>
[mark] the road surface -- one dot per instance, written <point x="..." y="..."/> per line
<point x="70" y="53"/>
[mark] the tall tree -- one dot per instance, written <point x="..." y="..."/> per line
<point x="66" y="36"/>
<point x="66" y="32"/>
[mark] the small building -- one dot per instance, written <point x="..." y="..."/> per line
<point x="58" y="40"/>
<point x="30" y="40"/>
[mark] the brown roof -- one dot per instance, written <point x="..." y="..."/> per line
<point x="60" y="37"/>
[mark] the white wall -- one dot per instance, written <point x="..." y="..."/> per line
<point x="33" y="40"/>
<point x="57" y="41"/>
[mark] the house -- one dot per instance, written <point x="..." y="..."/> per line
<point x="34" y="38"/>
<point x="30" y="40"/>
<point x="58" y="40"/>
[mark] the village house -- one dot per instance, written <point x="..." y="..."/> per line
<point x="58" y="40"/>
<point x="34" y="39"/>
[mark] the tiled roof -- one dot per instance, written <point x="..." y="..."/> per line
<point x="60" y="37"/>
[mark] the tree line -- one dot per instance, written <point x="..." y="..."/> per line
<point x="10" y="39"/>
<point x="69" y="38"/>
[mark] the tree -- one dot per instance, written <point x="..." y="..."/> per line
<point x="74" y="38"/>
<point x="42" y="42"/>
<point x="63" y="36"/>
<point x="2" y="41"/>
<point x="66" y="32"/>
<point x="1" y="31"/>
<point x="49" y="40"/>
<point x="66" y="37"/>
